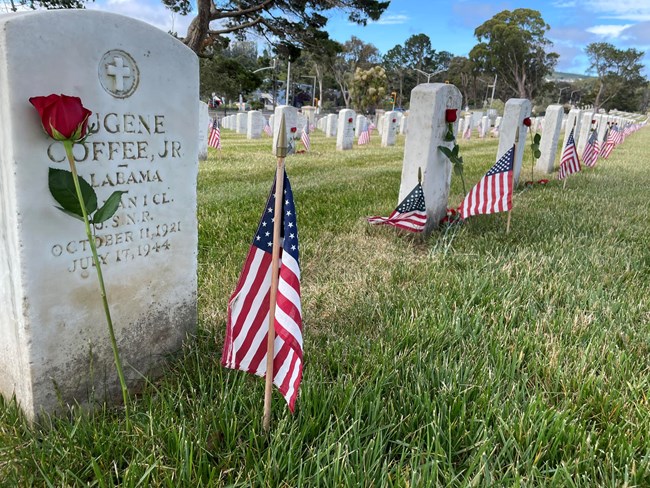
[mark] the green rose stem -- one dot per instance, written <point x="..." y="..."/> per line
<point x="91" y="239"/>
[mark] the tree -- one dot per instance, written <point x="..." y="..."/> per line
<point x="354" y="54"/>
<point x="296" y="21"/>
<point x="13" y="5"/>
<point x="394" y="63"/>
<point x="513" y="45"/>
<point x="618" y="72"/>
<point x="226" y="76"/>
<point x="368" y="88"/>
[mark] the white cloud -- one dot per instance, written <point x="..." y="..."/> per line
<point x="637" y="10"/>
<point x="393" y="19"/>
<point x="612" y="31"/>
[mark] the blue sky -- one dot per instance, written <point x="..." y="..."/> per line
<point x="450" y="25"/>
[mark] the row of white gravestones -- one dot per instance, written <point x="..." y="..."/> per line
<point x="55" y="348"/>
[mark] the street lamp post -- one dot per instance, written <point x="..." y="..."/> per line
<point x="571" y="96"/>
<point x="273" y="68"/>
<point x="560" y="94"/>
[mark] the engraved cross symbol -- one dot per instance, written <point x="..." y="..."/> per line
<point x="119" y="71"/>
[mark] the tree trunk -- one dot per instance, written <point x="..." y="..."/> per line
<point x="198" y="29"/>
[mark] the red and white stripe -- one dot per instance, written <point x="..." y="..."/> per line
<point x="493" y="192"/>
<point x="414" y="221"/>
<point x="570" y="162"/>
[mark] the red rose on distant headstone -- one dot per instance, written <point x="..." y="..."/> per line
<point x="350" y="120"/>
<point x="593" y="121"/>
<point x="394" y="120"/>
<point x="450" y="115"/>
<point x="293" y="129"/>
<point x="527" y="122"/>
<point x="63" y="117"/>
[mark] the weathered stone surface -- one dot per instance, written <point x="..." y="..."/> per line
<point x="550" y="138"/>
<point x="345" y="130"/>
<point x="389" y="129"/>
<point x="142" y="86"/>
<point x="204" y="123"/>
<point x="427" y="128"/>
<point x="512" y="129"/>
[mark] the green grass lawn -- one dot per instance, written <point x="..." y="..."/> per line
<point x="471" y="358"/>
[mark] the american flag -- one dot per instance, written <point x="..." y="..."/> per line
<point x="410" y="214"/>
<point x="610" y="142"/>
<point x="570" y="162"/>
<point x="364" y="137"/>
<point x="305" y="138"/>
<point x="267" y="129"/>
<point x="372" y="126"/>
<point x="214" y="139"/>
<point x="248" y="309"/>
<point x="493" y="192"/>
<point x="592" y="149"/>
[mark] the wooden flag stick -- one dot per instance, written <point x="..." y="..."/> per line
<point x="281" y="153"/>
<point x="508" y="223"/>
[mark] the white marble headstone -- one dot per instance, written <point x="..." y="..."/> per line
<point x="142" y="86"/>
<point x="331" y="125"/>
<point x="585" y="130"/>
<point x="255" y="124"/>
<point x="513" y="130"/>
<point x="290" y="118"/>
<point x="550" y="138"/>
<point x="345" y="130"/>
<point x="427" y="130"/>
<point x="390" y="127"/>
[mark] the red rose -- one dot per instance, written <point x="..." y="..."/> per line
<point x="394" y="120"/>
<point x="593" y="121"/>
<point x="293" y="129"/>
<point x="63" y="117"/>
<point x="450" y="115"/>
<point x="350" y="120"/>
<point x="527" y="122"/>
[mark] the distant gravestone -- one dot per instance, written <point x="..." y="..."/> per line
<point x="255" y="124"/>
<point x="142" y="86"/>
<point x="204" y="122"/>
<point x="390" y="127"/>
<point x="290" y="117"/>
<point x="467" y="127"/>
<point x="427" y="130"/>
<point x="310" y="113"/>
<point x="550" y="138"/>
<point x="241" y="122"/>
<point x="585" y="130"/>
<point x="403" y="125"/>
<point x="345" y="130"/>
<point x="360" y="124"/>
<point x="331" y="125"/>
<point x="485" y="125"/>
<point x="602" y="128"/>
<point x="572" y="122"/>
<point x="513" y="130"/>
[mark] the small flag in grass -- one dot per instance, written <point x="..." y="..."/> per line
<point x="214" y="140"/>
<point x="247" y="326"/>
<point x="410" y="214"/>
<point x="493" y="192"/>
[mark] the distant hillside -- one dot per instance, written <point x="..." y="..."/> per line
<point x="568" y="77"/>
